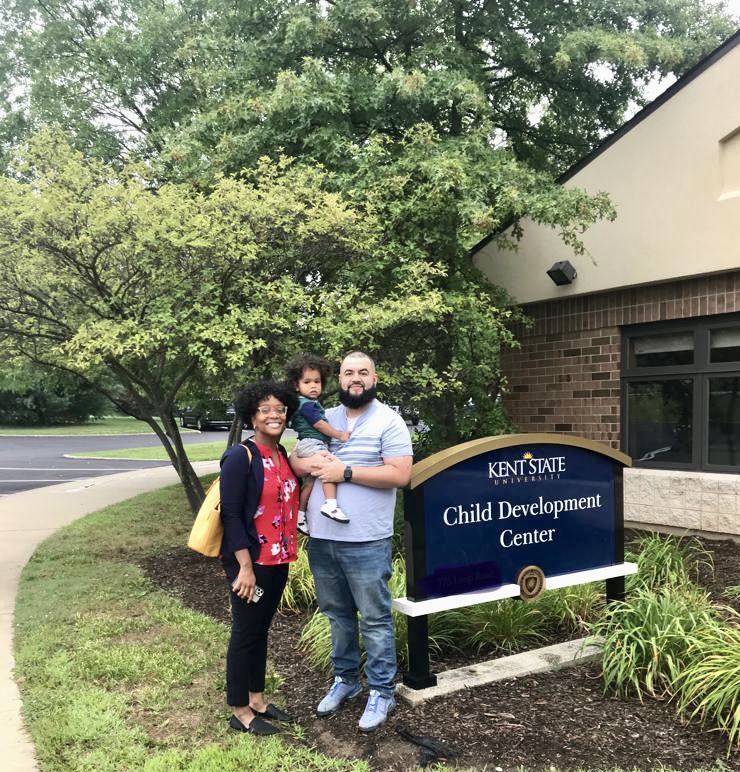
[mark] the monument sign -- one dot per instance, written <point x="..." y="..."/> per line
<point x="509" y="516"/>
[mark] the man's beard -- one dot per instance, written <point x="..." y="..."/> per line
<point x="355" y="401"/>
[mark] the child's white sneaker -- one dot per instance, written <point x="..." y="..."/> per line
<point x="334" y="513"/>
<point x="302" y="523"/>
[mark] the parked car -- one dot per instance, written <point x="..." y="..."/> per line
<point x="204" y="417"/>
<point x="411" y="417"/>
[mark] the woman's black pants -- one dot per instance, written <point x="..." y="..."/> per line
<point x="246" y="658"/>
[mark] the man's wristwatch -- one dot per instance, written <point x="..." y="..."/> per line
<point x="347" y="474"/>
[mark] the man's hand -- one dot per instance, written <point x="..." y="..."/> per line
<point x="317" y="462"/>
<point x="302" y="466"/>
<point x="331" y="471"/>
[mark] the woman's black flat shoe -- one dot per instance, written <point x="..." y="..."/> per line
<point x="272" y="712"/>
<point x="256" y="726"/>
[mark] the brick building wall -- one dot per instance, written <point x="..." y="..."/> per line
<point x="565" y="377"/>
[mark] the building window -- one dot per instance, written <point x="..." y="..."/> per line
<point x="681" y="394"/>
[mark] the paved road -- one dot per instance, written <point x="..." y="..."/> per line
<point x="35" y="462"/>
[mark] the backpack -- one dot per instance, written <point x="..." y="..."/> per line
<point x="207" y="532"/>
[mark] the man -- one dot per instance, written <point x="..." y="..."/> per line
<point x="351" y="562"/>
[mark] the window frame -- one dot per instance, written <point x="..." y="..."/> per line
<point x="700" y="372"/>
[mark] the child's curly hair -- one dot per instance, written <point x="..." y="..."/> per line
<point x="297" y="365"/>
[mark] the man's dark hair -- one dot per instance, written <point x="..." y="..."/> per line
<point x="297" y="365"/>
<point x="250" y="396"/>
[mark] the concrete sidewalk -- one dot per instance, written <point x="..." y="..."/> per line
<point x="26" y="519"/>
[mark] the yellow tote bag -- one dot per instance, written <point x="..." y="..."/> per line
<point x="207" y="532"/>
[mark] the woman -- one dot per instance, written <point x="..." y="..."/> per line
<point x="259" y="508"/>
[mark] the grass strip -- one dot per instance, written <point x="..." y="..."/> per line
<point x="202" y="451"/>
<point x="116" y="675"/>
<point x="107" y="425"/>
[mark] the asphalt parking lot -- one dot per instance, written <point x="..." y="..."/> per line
<point x="34" y="462"/>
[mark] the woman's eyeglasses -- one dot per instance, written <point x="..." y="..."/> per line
<point x="267" y="409"/>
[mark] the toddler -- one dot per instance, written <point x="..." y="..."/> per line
<point x="307" y="374"/>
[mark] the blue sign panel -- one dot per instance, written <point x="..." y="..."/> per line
<point x="487" y="517"/>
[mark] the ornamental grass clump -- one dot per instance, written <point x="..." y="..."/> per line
<point x="315" y="640"/>
<point x="315" y="637"/>
<point x="572" y="609"/>
<point x="709" y="686"/>
<point x="506" y="625"/>
<point x="300" y="590"/>
<point x="667" y="561"/>
<point x="732" y="592"/>
<point x="646" y="639"/>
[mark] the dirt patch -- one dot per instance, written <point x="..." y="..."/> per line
<point x="562" y="719"/>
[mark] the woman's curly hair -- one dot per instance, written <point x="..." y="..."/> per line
<point x="248" y="399"/>
<point x="295" y="367"/>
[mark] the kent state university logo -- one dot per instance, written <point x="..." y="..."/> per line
<point x="531" y="581"/>
<point x="528" y="468"/>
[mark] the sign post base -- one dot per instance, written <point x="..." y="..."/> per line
<point x="419" y="675"/>
<point x="615" y="589"/>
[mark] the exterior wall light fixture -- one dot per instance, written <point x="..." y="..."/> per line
<point x="562" y="273"/>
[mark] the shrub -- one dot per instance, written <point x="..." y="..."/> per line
<point x="666" y="561"/>
<point x="710" y="683"/>
<point x="646" y="639"/>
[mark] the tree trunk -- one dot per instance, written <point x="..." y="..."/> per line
<point x="176" y="451"/>
<point x="235" y="432"/>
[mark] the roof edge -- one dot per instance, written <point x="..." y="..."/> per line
<point x="671" y="91"/>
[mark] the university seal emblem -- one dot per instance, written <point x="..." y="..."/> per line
<point x="531" y="581"/>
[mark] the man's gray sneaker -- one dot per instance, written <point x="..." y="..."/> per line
<point x="337" y="694"/>
<point x="376" y="711"/>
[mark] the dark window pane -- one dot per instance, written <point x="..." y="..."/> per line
<point x="724" y="345"/>
<point x="666" y="350"/>
<point x="659" y="421"/>
<point x="724" y="421"/>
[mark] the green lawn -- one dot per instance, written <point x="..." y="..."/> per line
<point x="107" y="425"/>
<point x="202" y="451"/>
<point x="116" y="675"/>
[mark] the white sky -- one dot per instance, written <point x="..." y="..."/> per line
<point x="656" y="88"/>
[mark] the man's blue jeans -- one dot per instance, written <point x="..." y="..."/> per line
<point x="352" y="577"/>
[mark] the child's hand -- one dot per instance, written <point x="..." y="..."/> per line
<point x="343" y="436"/>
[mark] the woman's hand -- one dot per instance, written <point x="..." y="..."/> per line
<point x="245" y="583"/>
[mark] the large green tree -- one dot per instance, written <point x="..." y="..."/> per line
<point x="137" y="290"/>
<point x="218" y="83"/>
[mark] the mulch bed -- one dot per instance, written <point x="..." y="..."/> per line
<point x="561" y="719"/>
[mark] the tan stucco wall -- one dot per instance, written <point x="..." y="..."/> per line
<point x="676" y="188"/>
